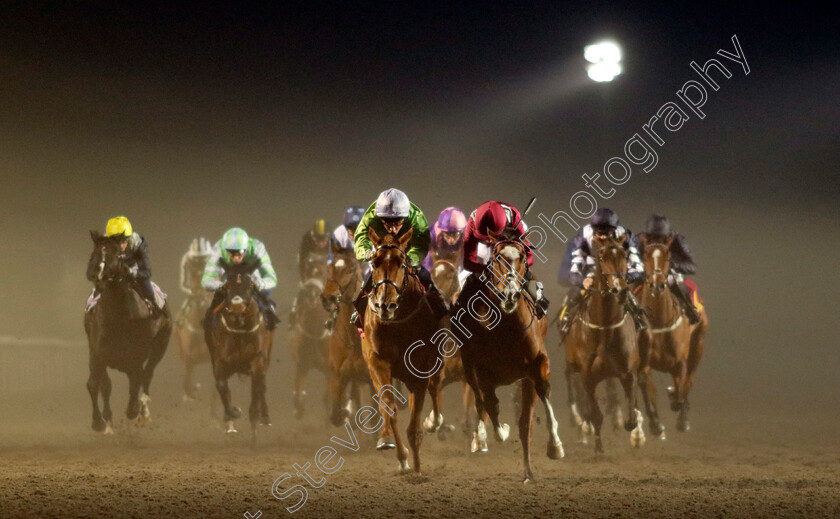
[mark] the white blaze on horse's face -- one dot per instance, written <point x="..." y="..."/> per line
<point x="339" y="263"/>
<point x="237" y="304"/>
<point x="656" y="255"/>
<point x="510" y="257"/>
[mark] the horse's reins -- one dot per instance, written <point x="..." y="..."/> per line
<point x="608" y="291"/>
<point x="387" y="281"/>
<point x="237" y="330"/>
<point x="510" y="275"/>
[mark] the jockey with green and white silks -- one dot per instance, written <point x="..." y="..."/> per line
<point x="237" y="252"/>
<point x="394" y="214"/>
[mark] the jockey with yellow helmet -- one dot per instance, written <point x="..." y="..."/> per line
<point x="314" y="243"/>
<point x="236" y="252"/>
<point x="393" y="213"/>
<point x="135" y="257"/>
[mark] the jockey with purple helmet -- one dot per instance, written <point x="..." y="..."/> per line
<point x="447" y="235"/>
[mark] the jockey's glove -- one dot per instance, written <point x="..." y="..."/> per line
<point x="368" y="255"/>
<point x="133" y="271"/>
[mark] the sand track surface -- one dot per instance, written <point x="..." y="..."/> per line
<point x="182" y="465"/>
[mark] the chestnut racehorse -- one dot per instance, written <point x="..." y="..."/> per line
<point x="602" y="340"/>
<point x="506" y="343"/>
<point x="240" y="342"/>
<point x="347" y="368"/>
<point x="399" y="322"/>
<point x="308" y="343"/>
<point x="676" y="347"/>
<point x="187" y="330"/>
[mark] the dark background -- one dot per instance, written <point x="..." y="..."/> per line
<point x="193" y="120"/>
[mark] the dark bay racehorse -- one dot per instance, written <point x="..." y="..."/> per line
<point x="676" y="347"/>
<point x="602" y="340"/>
<point x="399" y="316"/>
<point x="348" y="371"/>
<point x="123" y="334"/>
<point x="308" y="341"/>
<point x="240" y="342"/>
<point x="188" y="331"/>
<point x="507" y="344"/>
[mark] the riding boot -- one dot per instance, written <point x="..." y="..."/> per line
<point x="218" y="298"/>
<point x="635" y="310"/>
<point x="570" y="308"/>
<point x="540" y="301"/>
<point x="269" y="309"/>
<point x="360" y="303"/>
<point x="435" y="298"/>
<point x="684" y="297"/>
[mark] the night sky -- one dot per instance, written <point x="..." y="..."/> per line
<point x="192" y="120"/>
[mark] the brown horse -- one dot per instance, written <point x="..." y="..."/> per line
<point x="123" y="334"/>
<point x="347" y="368"/>
<point x="602" y="340"/>
<point x="240" y="342"/>
<point x="309" y="337"/>
<point x="675" y="346"/>
<point x="445" y="277"/>
<point x="506" y="346"/>
<point x="398" y="321"/>
<point x="188" y="331"/>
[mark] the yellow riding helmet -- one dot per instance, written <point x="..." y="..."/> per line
<point x="118" y="225"/>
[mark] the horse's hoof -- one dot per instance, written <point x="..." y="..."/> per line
<point x="132" y="412"/>
<point x="235" y="412"/>
<point x="599" y="447"/>
<point x="405" y="468"/>
<point x="529" y="478"/>
<point x="98" y="425"/>
<point x="683" y="425"/>
<point x="384" y="444"/>
<point x="109" y="430"/>
<point x="502" y="432"/>
<point x="230" y="428"/>
<point x="555" y="452"/>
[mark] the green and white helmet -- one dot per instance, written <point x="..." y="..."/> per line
<point x="235" y="239"/>
<point x="392" y="203"/>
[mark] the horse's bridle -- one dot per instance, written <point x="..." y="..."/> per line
<point x="606" y="275"/>
<point x="657" y="288"/>
<point x="342" y="289"/>
<point x="386" y="281"/>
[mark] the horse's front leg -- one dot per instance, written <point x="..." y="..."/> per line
<point x="415" y="432"/>
<point x="435" y="419"/>
<point x="634" y="416"/>
<point x="97" y="370"/>
<point x="526" y="418"/>
<point x="542" y="387"/>
<point x="380" y="374"/>
<point x="491" y="406"/>
<point x="648" y="390"/>
<point x="231" y="412"/>
<point x="299" y="393"/>
<point x="134" y="381"/>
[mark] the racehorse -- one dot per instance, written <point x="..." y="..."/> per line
<point x="308" y="342"/>
<point x="398" y="321"/>
<point x="347" y="367"/>
<point x="602" y="340"/>
<point x="187" y="329"/>
<point x="506" y="343"/>
<point x="445" y="277"/>
<point x="676" y="346"/>
<point x="123" y="334"/>
<point x="444" y="274"/>
<point x="240" y="342"/>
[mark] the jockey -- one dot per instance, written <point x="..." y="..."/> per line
<point x="447" y="237"/>
<point x="342" y="239"/>
<point x="314" y="242"/>
<point x="681" y="261"/>
<point x="393" y="213"/>
<point x="604" y="223"/>
<point x="199" y="248"/>
<point x="237" y="253"/>
<point x="496" y="218"/>
<point x="135" y="257"/>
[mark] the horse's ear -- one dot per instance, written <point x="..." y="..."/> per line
<point x="96" y="236"/>
<point x="374" y="238"/>
<point x="405" y="238"/>
<point x="669" y="240"/>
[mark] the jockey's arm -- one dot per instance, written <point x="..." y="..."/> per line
<point x="212" y="278"/>
<point x="141" y="260"/>
<point x="471" y="241"/>
<point x="268" y="277"/>
<point x="418" y="247"/>
<point x="361" y="243"/>
<point x="635" y="268"/>
<point x="580" y="258"/>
